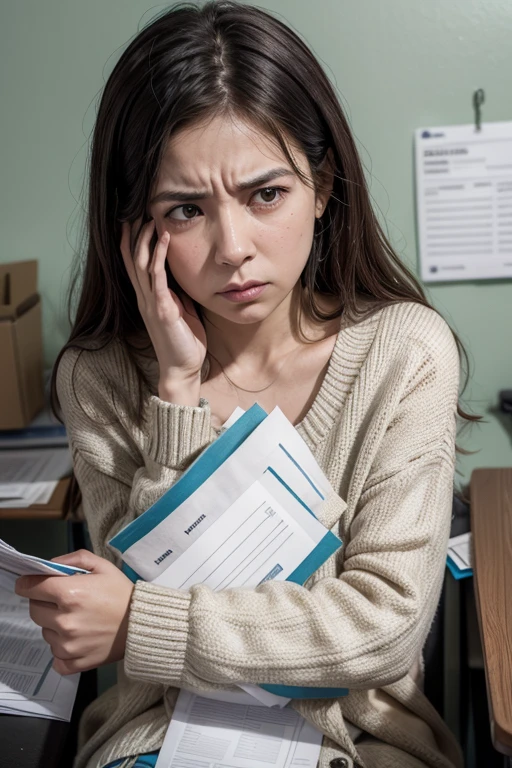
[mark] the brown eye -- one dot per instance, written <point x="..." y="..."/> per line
<point x="268" y="195"/>
<point x="184" y="212"/>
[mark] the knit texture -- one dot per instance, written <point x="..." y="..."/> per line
<point x="382" y="427"/>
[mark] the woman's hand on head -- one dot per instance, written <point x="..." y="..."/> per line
<point x="175" y="330"/>
<point x="84" y="618"/>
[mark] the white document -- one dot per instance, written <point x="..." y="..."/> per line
<point x="30" y="493"/>
<point x="28" y="683"/>
<point x="22" y="648"/>
<point x="53" y="701"/>
<point x="19" y="564"/>
<point x="464" y="201"/>
<point x="256" y="539"/>
<point x="24" y="655"/>
<point x="31" y="476"/>
<point x="265" y="534"/>
<point x="253" y="519"/>
<point x="459" y="550"/>
<point x="274" y="442"/>
<point x="214" y="734"/>
<point x="7" y="582"/>
<point x="234" y="417"/>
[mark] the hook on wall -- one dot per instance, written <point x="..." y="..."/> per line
<point x="478" y="100"/>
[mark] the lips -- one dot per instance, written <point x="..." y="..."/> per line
<point x="242" y="287"/>
<point x="247" y="292"/>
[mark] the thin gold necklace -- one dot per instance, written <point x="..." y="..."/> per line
<point x="244" y="389"/>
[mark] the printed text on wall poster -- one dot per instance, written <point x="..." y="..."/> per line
<point x="464" y="202"/>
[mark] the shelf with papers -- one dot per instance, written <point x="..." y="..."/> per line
<point x="55" y="509"/>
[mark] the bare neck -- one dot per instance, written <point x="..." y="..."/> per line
<point x="259" y="346"/>
<point x="256" y="346"/>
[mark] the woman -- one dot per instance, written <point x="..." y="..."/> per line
<point x="233" y="257"/>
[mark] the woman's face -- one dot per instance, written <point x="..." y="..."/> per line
<point x="238" y="216"/>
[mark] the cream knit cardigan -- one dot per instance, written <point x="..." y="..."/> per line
<point x="382" y="427"/>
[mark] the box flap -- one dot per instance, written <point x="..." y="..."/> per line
<point x="18" y="288"/>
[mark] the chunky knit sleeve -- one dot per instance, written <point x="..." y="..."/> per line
<point x="361" y="623"/>
<point x="115" y="461"/>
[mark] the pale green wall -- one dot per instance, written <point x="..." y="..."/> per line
<point x="399" y="65"/>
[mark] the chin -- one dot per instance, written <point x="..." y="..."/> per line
<point x="243" y="314"/>
<point x="248" y="315"/>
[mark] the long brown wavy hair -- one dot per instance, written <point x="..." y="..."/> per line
<point x="191" y="63"/>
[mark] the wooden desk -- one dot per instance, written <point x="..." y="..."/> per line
<point x="491" y="525"/>
<point x="55" y="509"/>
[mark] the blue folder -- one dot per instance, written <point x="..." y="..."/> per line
<point x="202" y="468"/>
<point x="456" y="572"/>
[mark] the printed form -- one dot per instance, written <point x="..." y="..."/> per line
<point x="214" y="734"/>
<point x="464" y="201"/>
<point x="30" y="476"/>
<point x="28" y="683"/>
<point x="256" y="539"/>
<point x="258" y="508"/>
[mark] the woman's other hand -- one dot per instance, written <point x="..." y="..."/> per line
<point x="84" y="618"/>
<point x="173" y="325"/>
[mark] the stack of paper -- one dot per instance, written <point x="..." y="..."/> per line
<point x="205" y="733"/>
<point x="255" y="492"/>
<point x="243" y="513"/>
<point x="30" y="476"/>
<point x="28" y="683"/>
<point x="459" y="556"/>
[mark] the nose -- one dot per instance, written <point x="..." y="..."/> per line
<point x="233" y="244"/>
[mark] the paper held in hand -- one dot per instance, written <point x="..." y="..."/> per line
<point x="28" y="683"/>
<point x="19" y="564"/>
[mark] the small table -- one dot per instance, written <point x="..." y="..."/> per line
<point x="491" y="525"/>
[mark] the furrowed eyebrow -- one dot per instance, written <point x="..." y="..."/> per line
<point x="197" y="194"/>
<point x="264" y="178"/>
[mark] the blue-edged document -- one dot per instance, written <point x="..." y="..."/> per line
<point x="459" y="556"/>
<point x="255" y="491"/>
<point x="17" y="564"/>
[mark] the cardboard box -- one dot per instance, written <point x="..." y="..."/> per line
<point x="21" y="345"/>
